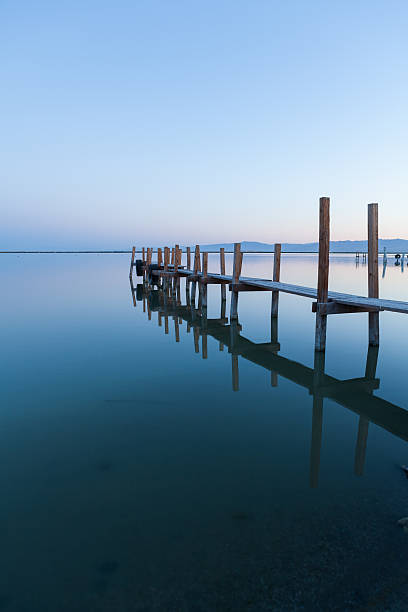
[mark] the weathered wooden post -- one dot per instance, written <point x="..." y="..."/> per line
<point x="235" y="280"/>
<point x="196" y="270"/>
<point x="276" y="278"/>
<point x="323" y="272"/>
<point x="166" y="258"/>
<point x="172" y="256"/>
<point x="143" y="255"/>
<point x="132" y="260"/>
<point x="159" y="256"/>
<point x="222" y="272"/>
<point x="188" y="258"/>
<point x="373" y="317"/>
<point x="203" y="284"/>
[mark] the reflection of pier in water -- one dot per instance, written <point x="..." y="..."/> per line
<point x="355" y="394"/>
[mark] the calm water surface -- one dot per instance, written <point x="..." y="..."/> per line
<point x="138" y="476"/>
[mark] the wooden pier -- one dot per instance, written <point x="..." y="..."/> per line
<point x="355" y="394"/>
<point x="325" y="302"/>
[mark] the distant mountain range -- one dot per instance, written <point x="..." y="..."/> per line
<point x="393" y="245"/>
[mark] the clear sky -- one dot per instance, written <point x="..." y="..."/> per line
<point x="150" y="122"/>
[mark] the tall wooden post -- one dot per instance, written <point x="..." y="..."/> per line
<point x="132" y="260"/>
<point x="222" y="272"/>
<point x="373" y="317"/>
<point x="276" y="278"/>
<point x="143" y="255"/>
<point x="196" y="270"/>
<point x="172" y="256"/>
<point x="203" y="285"/>
<point x="166" y="258"/>
<point x="323" y="272"/>
<point x="235" y="280"/>
<point x="159" y="256"/>
<point x="188" y="258"/>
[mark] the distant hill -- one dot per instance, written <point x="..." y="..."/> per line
<point x="393" y="245"/>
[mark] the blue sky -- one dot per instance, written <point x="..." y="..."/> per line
<point x="151" y="122"/>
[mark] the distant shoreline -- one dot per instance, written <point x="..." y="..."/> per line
<point x="204" y="250"/>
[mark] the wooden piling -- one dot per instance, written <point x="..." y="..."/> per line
<point x="172" y="256"/>
<point x="196" y="270"/>
<point x="323" y="272"/>
<point x="373" y="317"/>
<point x="159" y="256"/>
<point x="143" y="255"/>
<point x="188" y="258"/>
<point x="222" y="271"/>
<point x="235" y="280"/>
<point x="276" y="277"/>
<point x="166" y="258"/>
<point x="132" y="260"/>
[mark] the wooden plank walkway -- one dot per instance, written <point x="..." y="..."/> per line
<point x="309" y="292"/>
<point x="325" y="302"/>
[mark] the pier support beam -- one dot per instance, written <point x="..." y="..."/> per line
<point x="132" y="262"/>
<point x="323" y="272"/>
<point x="276" y="277"/>
<point x="235" y="280"/>
<point x="373" y="317"/>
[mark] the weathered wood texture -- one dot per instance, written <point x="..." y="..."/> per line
<point x="373" y="317"/>
<point x="323" y="272"/>
<point x="276" y="278"/>
<point x="236" y="272"/>
<point x="188" y="258"/>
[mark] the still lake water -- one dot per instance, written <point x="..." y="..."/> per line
<point x="134" y="478"/>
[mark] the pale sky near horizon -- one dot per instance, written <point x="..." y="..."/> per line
<point x="153" y="122"/>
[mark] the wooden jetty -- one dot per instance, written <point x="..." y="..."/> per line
<point x="355" y="394"/>
<point x="325" y="302"/>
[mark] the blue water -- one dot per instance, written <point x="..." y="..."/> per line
<point x="134" y="477"/>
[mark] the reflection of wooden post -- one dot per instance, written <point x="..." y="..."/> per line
<point x="176" y="329"/>
<point x="235" y="280"/>
<point x="323" y="272"/>
<point x="373" y="317"/>
<point x="363" y="423"/>
<point x="196" y="334"/>
<point x="188" y="258"/>
<point x="204" y="345"/>
<point x="132" y="259"/>
<point x="276" y="278"/>
<point x="204" y="283"/>
<point x="274" y="340"/>
<point x="235" y="372"/>
<point x="361" y="445"/>
<point x="159" y="318"/>
<point x="133" y="290"/>
<point x="166" y="324"/>
<point x="234" y="356"/>
<point x="317" y="422"/>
